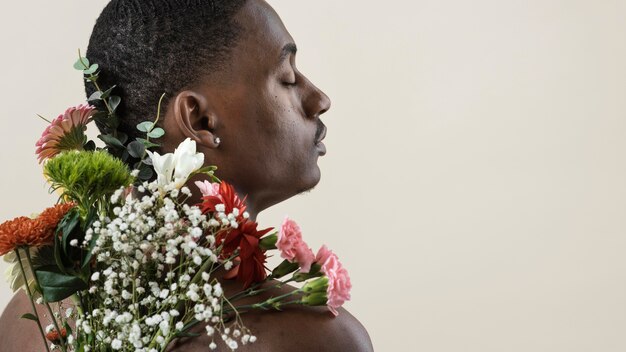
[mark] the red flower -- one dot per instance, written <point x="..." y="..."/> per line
<point x="228" y="197"/>
<point x="23" y="231"/>
<point x="246" y="237"/>
<point x="54" y="336"/>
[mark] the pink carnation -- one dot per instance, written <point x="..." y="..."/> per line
<point x="209" y="189"/>
<point x="339" y="284"/>
<point x="292" y="247"/>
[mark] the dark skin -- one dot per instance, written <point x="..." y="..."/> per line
<point x="265" y="112"/>
<point x="267" y="116"/>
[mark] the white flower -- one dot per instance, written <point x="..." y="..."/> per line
<point x="95" y="276"/>
<point x="116" y="344"/>
<point x="178" y="166"/>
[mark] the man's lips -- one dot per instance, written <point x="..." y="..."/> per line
<point x="321" y="133"/>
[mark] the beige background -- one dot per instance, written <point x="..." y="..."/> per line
<point x="475" y="183"/>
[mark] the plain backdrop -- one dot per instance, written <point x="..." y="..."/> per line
<point x="475" y="181"/>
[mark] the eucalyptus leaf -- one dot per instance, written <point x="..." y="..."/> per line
<point x="156" y="133"/>
<point x="145" y="173"/>
<point x="114" y="102"/>
<point x="136" y="149"/>
<point x="95" y="96"/>
<point x="123" y="137"/>
<point x="148" y="143"/>
<point x="145" y="126"/>
<point x="56" y="286"/>
<point x="80" y="64"/>
<point x="107" y="92"/>
<point x="111" y="141"/>
<point x="93" y="68"/>
<point x="125" y="155"/>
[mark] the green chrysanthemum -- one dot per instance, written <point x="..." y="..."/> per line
<point x="87" y="177"/>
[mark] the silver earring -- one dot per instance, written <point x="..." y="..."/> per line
<point x="217" y="140"/>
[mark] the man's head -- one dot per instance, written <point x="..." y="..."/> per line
<point x="228" y="71"/>
<point x="151" y="47"/>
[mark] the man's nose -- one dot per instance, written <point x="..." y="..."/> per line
<point x="317" y="102"/>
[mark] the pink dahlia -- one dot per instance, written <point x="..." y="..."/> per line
<point x="292" y="247"/>
<point x="339" y="284"/>
<point x="66" y="132"/>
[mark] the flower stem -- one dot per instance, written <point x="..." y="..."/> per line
<point x="252" y="291"/>
<point x="273" y="302"/>
<point x="54" y="320"/>
<point x="30" y="296"/>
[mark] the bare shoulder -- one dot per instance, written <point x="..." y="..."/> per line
<point x="298" y="328"/>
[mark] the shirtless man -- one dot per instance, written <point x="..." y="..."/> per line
<point x="228" y="71"/>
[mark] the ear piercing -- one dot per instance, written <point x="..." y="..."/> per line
<point x="217" y="140"/>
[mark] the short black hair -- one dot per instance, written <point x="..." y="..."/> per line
<point x="150" y="47"/>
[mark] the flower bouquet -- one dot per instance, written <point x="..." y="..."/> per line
<point x="123" y="262"/>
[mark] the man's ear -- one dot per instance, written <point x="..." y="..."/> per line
<point x="194" y="118"/>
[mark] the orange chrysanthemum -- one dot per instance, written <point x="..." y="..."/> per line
<point x="23" y="231"/>
<point x="66" y="132"/>
<point x="53" y="215"/>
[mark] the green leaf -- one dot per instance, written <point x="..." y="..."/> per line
<point x="156" y="133"/>
<point x="58" y="259"/>
<point x="93" y="68"/>
<point x="95" y="96"/>
<point x="92" y="78"/>
<point x="107" y="92"/>
<point x="89" y="252"/>
<point x="29" y="316"/>
<point x="269" y="242"/>
<point x="187" y="334"/>
<point x="68" y="328"/>
<point x="284" y="268"/>
<point x="147" y="143"/>
<point x="80" y="64"/>
<point x="68" y="227"/>
<point x="145" y="126"/>
<point x="209" y="171"/>
<point x="206" y="169"/>
<point x="145" y="173"/>
<point x="111" y="141"/>
<point x="91" y="146"/>
<point x="136" y="149"/>
<point x="114" y="102"/>
<point x="123" y="137"/>
<point x="56" y="286"/>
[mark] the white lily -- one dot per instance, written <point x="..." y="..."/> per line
<point x="173" y="169"/>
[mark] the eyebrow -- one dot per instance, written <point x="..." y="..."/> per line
<point x="289" y="48"/>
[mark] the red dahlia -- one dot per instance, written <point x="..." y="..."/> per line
<point x="252" y="258"/>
